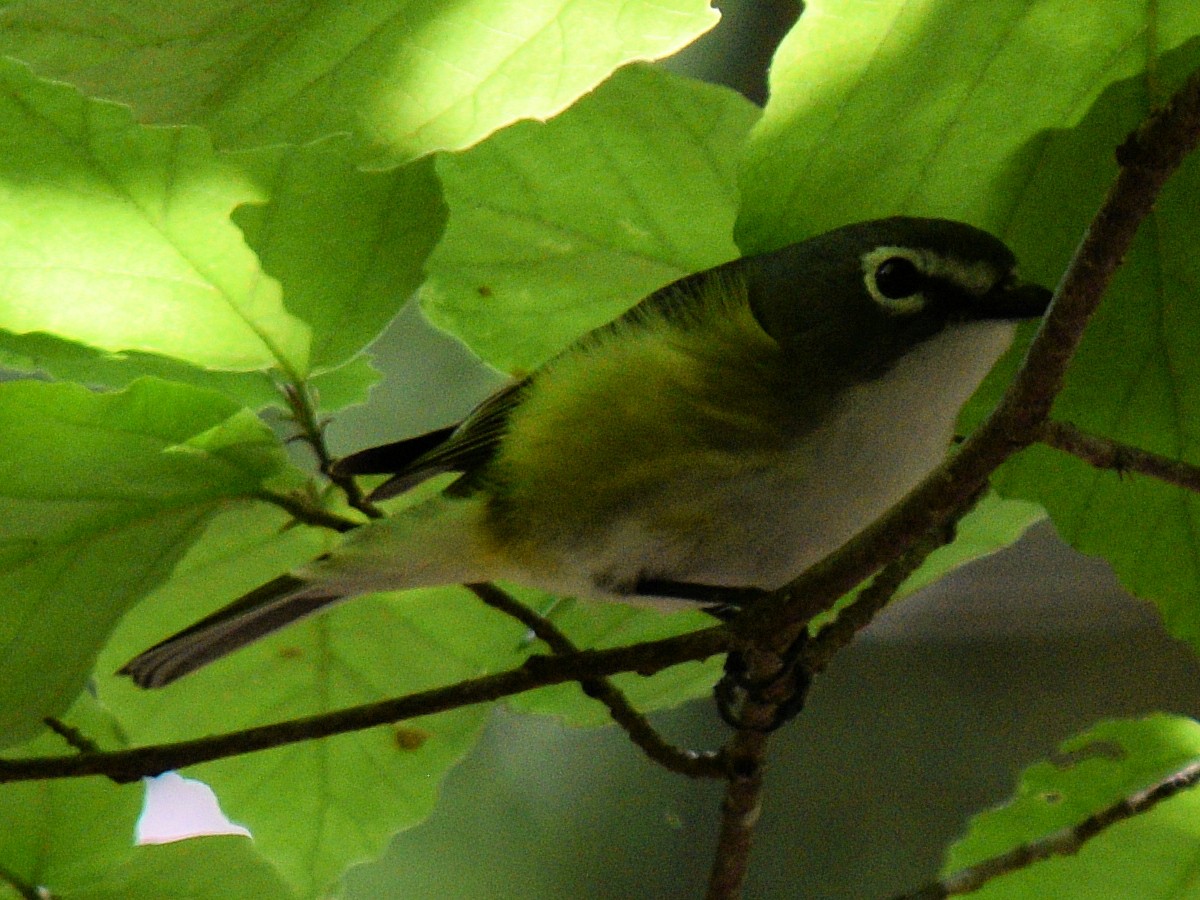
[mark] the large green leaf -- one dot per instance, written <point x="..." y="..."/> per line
<point x="404" y="77"/>
<point x="1136" y="376"/>
<point x="348" y="246"/>
<point x="118" y="236"/>
<point x="74" y="838"/>
<point x="937" y="108"/>
<point x="317" y="807"/>
<point x="1150" y="856"/>
<point x="100" y="495"/>
<point x="557" y="228"/>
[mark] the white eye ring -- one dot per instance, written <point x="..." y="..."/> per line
<point x="900" y="306"/>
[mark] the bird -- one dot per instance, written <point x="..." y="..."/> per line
<point x="728" y="430"/>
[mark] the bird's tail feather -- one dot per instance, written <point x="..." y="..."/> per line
<point x="250" y="617"/>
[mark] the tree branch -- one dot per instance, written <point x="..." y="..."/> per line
<point x="537" y="671"/>
<point x="878" y="594"/>
<point x="308" y="513"/>
<point x="25" y="890"/>
<point x="1104" y="453"/>
<point x="745" y="755"/>
<point x="691" y="763"/>
<point x="1065" y="842"/>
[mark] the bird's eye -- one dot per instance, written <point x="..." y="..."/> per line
<point x="897" y="278"/>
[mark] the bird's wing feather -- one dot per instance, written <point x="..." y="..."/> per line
<point x="458" y="448"/>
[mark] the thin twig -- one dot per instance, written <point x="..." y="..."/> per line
<point x="303" y="511"/>
<point x="312" y="432"/>
<point x="745" y="755"/>
<point x="26" y="890"/>
<point x="692" y="763"/>
<point x="537" y="671"/>
<point x="1105" y="453"/>
<point x="1065" y="842"/>
<point x="767" y="664"/>
<point x="73" y="736"/>
<point x="871" y="600"/>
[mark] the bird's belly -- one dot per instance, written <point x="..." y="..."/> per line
<point x="761" y="517"/>
<point x="760" y="527"/>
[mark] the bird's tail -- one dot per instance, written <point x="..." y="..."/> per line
<point x="432" y="543"/>
<point x="250" y="617"/>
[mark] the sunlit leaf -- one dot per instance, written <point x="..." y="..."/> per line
<point x="404" y="77"/>
<point x="557" y="228"/>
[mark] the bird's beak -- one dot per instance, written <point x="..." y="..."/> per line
<point x="1013" y="299"/>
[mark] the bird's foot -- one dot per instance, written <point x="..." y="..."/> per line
<point x="783" y="692"/>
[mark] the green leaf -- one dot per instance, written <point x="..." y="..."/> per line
<point x="334" y="389"/>
<point x="100" y="495"/>
<point x="66" y="360"/>
<point x="1151" y="855"/>
<point x="1134" y="379"/>
<point x="207" y="868"/>
<point x="937" y="109"/>
<point x="118" y="237"/>
<point x="559" y="227"/>
<point x="404" y="77"/>
<point x="348" y="246"/>
<point x="317" y="807"/>
<point x="74" y="837"/>
<point x="67" y="832"/>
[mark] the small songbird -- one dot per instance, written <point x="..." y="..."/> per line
<point x="729" y="430"/>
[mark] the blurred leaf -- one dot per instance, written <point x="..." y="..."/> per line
<point x="559" y="227"/>
<point x="1151" y="855"/>
<point x="118" y="236"/>
<point x="100" y="495"/>
<point x="334" y="389"/>
<point x="348" y="246"/>
<point x="67" y="360"/>
<point x="404" y="77"/>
